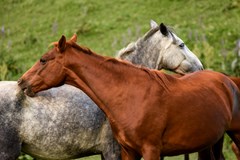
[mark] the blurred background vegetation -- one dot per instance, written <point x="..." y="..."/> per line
<point x="210" y="28"/>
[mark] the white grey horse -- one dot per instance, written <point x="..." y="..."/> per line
<point x="63" y="123"/>
<point x="157" y="50"/>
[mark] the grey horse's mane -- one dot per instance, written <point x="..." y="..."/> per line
<point x="150" y="33"/>
<point x="133" y="45"/>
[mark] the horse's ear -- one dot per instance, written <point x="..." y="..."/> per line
<point x="74" y="38"/>
<point x="163" y="29"/>
<point x="153" y="24"/>
<point x="62" y="44"/>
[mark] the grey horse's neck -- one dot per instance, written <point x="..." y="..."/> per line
<point x="143" y="51"/>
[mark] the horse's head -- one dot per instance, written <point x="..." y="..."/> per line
<point x="175" y="54"/>
<point x="162" y="49"/>
<point x="49" y="71"/>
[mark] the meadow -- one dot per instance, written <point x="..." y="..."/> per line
<point x="209" y="28"/>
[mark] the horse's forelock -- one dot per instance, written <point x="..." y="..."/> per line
<point x="131" y="47"/>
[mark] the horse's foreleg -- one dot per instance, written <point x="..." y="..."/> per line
<point x="151" y="153"/>
<point x="111" y="151"/>
<point x="186" y="156"/>
<point x="206" y="154"/>
<point x="127" y="154"/>
<point x="217" y="150"/>
<point x="10" y="143"/>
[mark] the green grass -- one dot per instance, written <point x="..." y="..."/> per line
<point x="210" y="28"/>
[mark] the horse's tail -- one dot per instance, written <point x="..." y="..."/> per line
<point x="234" y="130"/>
<point x="236" y="80"/>
<point x="236" y="102"/>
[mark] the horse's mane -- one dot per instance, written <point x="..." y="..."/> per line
<point x="86" y="50"/>
<point x="132" y="46"/>
<point x="150" y="33"/>
<point x="156" y="75"/>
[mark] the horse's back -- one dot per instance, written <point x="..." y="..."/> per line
<point x="9" y="91"/>
<point x="8" y="88"/>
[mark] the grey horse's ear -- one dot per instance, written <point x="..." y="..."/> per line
<point x="153" y="24"/>
<point x="163" y="29"/>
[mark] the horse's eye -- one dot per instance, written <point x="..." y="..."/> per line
<point x="181" y="45"/>
<point x="43" y="61"/>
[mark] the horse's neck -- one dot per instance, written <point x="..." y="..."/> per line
<point x="149" y="53"/>
<point x="109" y="83"/>
<point x="144" y="52"/>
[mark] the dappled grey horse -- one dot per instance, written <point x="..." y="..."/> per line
<point x="63" y="123"/>
<point x="161" y="49"/>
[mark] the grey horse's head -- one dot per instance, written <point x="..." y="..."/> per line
<point x="160" y="48"/>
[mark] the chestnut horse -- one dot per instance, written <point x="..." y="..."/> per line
<point x="151" y="114"/>
<point x="38" y="130"/>
<point x="134" y="55"/>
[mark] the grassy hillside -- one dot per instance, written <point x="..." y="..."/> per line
<point x="210" y="28"/>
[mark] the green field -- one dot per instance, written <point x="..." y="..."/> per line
<point x="210" y="28"/>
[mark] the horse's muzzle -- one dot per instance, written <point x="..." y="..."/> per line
<point x="25" y="87"/>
